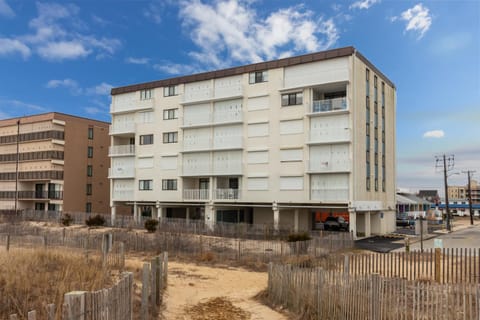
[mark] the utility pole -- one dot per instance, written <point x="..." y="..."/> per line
<point x="447" y="165"/>
<point x="16" y="167"/>
<point x="469" y="174"/>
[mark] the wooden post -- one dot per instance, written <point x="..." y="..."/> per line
<point x="32" y="315"/>
<point x="165" y="268"/>
<point x="51" y="311"/>
<point x="13" y="317"/>
<point x="153" y="281"/>
<point x="375" y="297"/>
<point x="121" y="246"/>
<point x="438" y="256"/>
<point x="346" y="265"/>
<point x="8" y="242"/>
<point x="74" y="305"/>
<point x="45" y="241"/>
<point x="145" y="283"/>
<point x="158" y="281"/>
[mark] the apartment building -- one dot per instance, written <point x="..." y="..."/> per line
<point x="283" y="142"/>
<point x="461" y="192"/>
<point x="62" y="163"/>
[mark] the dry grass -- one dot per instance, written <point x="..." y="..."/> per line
<point x="31" y="279"/>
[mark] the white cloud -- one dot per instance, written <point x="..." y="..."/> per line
<point x="63" y="50"/>
<point x="154" y="12"/>
<point x="418" y="19"/>
<point x="70" y="84"/>
<point x="12" y="46"/>
<point x="20" y="105"/>
<point x="175" y="68"/>
<point x="59" y="34"/>
<point x="452" y="42"/>
<point x="6" y="10"/>
<point x="93" y="110"/>
<point x="101" y="89"/>
<point x="365" y="4"/>
<point x="230" y="30"/>
<point x="137" y="60"/>
<point x="434" y="134"/>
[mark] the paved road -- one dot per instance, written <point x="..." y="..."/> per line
<point x="467" y="237"/>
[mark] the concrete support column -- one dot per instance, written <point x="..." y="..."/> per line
<point x="276" y="216"/>
<point x="211" y="188"/>
<point x="210" y="216"/>
<point x="160" y="213"/>
<point x="187" y="215"/>
<point x="135" y="212"/>
<point x="113" y="215"/>
<point x="295" y="220"/>
<point x="352" y="225"/>
<point x="368" y="229"/>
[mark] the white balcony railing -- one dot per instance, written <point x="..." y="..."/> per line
<point x="328" y="166"/>
<point x="227" y="116"/>
<point x="198" y="143"/>
<point x="212" y="119"/>
<point x="327" y="105"/>
<point x="122" y="128"/>
<point x="199" y="169"/>
<point x="122" y="150"/>
<point x="121" y="172"/>
<point x="196" y="194"/>
<point x="122" y="195"/>
<point x="328" y="135"/>
<point x="132" y="103"/>
<point x="228" y="142"/>
<point x="227" y="168"/>
<point x="226" y="194"/>
<point x="340" y="194"/>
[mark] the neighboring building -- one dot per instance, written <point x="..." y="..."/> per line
<point x="62" y="163"/>
<point x="429" y="195"/>
<point x="280" y="142"/>
<point x="412" y="205"/>
<point x="461" y="192"/>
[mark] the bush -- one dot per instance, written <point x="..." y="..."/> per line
<point x="151" y="225"/>
<point x="67" y="219"/>
<point x="95" y="221"/>
<point x="302" y="236"/>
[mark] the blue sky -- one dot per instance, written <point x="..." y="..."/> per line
<point x="65" y="56"/>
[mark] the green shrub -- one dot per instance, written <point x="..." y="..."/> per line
<point x="67" y="219"/>
<point x="94" y="221"/>
<point x="301" y="236"/>
<point x="151" y="225"/>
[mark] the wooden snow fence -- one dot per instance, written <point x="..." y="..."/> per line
<point x="154" y="282"/>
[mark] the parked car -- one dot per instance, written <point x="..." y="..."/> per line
<point x="405" y="221"/>
<point x="335" y="223"/>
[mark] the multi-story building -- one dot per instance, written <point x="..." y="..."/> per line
<point x="62" y="163"/>
<point x="462" y="192"/>
<point x="282" y="142"/>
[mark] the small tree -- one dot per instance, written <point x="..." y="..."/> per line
<point x="95" y="221"/>
<point x="151" y="225"/>
<point x="67" y="219"/>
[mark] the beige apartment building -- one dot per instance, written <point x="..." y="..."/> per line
<point x="62" y="163"/>
<point x="461" y="192"/>
<point x="285" y="142"/>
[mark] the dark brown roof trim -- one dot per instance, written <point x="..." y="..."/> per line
<point x="286" y="62"/>
<point x="374" y="69"/>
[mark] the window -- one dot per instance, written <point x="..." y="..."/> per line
<point x="258" y="76"/>
<point x="375" y="89"/>
<point x="170" y="137"/>
<point x="169" y="184"/>
<point x="90" y="152"/>
<point x="169" y="114"/>
<point x="90" y="133"/>
<point x="146" y="94"/>
<point x="89" y="189"/>
<point x="89" y="171"/>
<point x="146" y="139"/>
<point x="88" y="207"/>
<point x="145" y="184"/>
<point x="170" y="91"/>
<point x="291" y="99"/>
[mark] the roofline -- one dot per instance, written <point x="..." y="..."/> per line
<point x="53" y="113"/>
<point x="285" y="62"/>
<point x="375" y="69"/>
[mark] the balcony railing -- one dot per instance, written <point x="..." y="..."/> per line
<point x="213" y="119"/>
<point x="122" y="128"/>
<point x="28" y="194"/>
<point x="227" y="194"/>
<point x="327" y="166"/>
<point x="228" y="142"/>
<point x="327" y="135"/>
<point x="122" y="195"/>
<point x="197" y="144"/>
<point x="119" y="172"/>
<point x="326" y="105"/>
<point x="122" y="150"/>
<point x="340" y="194"/>
<point x="196" y="194"/>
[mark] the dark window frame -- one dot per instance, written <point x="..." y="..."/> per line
<point x="292" y="99"/>
<point x="146" y="139"/>
<point x="169" y="184"/>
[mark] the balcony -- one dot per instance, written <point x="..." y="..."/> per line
<point x="130" y="103"/>
<point x="228" y="142"/>
<point x="208" y="119"/>
<point x="327" y="105"/>
<point x="122" y="195"/>
<point x="340" y="194"/>
<point x="196" y="194"/>
<point x="227" y="168"/>
<point x="328" y="166"/>
<point x="329" y="135"/>
<point x="122" y="128"/>
<point x="121" y="150"/>
<point x="197" y="144"/>
<point x="32" y="195"/>
<point x="226" y="194"/>
<point x="121" y="172"/>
